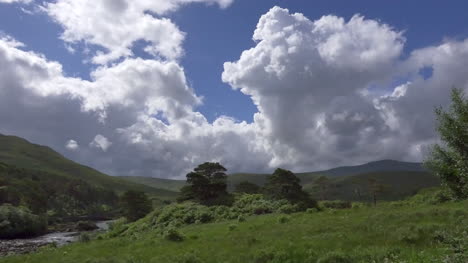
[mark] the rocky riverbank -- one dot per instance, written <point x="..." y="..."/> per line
<point x="30" y="245"/>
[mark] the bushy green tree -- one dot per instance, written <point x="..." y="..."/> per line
<point x="449" y="161"/>
<point x="135" y="205"/>
<point x="247" y="188"/>
<point x="207" y="184"/>
<point x="284" y="184"/>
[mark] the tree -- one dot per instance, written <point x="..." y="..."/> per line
<point x="135" y="205"/>
<point x="207" y="184"/>
<point x="375" y="189"/>
<point x="247" y="188"/>
<point x="323" y="183"/>
<point x="449" y="161"/>
<point x="284" y="184"/>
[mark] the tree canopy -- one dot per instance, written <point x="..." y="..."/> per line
<point x="449" y="161"/>
<point x="206" y="184"/>
<point x="284" y="184"/>
<point x="135" y="205"/>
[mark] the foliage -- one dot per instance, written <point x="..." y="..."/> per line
<point x="206" y="185"/>
<point x="284" y="184"/>
<point x="60" y="197"/>
<point x="450" y="160"/>
<point x="20" y="222"/>
<point x="337" y="204"/>
<point x="353" y="235"/>
<point x="247" y="188"/>
<point x="172" y="234"/>
<point x="135" y="205"/>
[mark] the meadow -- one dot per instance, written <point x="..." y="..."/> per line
<point x="418" y="229"/>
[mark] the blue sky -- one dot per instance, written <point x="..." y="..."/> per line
<point x="215" y="36"/>
<point x="330" y="90"/>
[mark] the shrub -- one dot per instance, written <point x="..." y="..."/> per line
<point x="20" y="222"/>
<point x="312" y="210"/>
<point x="288" y="209"/>
<point x="283" y="219"/>
<point x="173" y="234"/>
<point x="84" y="238"/>
<point x="241" y="219"/>
<point x="232" y="227"/>
<point x="336" y="204"/>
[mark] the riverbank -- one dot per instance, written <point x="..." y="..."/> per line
<point x="57" y="239"/>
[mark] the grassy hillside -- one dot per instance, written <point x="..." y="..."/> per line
<point x="23" y="154"/>
<point x="167" y="184"/>
<point x="372" y="167"/>
<point x="392" y="232"/>
<point x="397" y="185"/>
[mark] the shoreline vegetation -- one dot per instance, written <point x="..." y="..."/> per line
<point x="423" y="228"/>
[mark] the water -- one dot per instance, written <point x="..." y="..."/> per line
<point x="27" y="245"/>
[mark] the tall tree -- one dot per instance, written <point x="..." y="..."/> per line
<point x="284" y="184"/>
<point x="135" y="205"/>
<point x="207" y="184"/>
<point x="449" y="161"/>
<point x="247" y="188"/>
<point x="323" y="184"/>
<point x="375" y="189"/>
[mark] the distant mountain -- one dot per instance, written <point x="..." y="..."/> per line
<point x="20" y="153"/>
<point x="377" y="166"/>
<point x="401" y="179"/>
<point x="396" y="185"/>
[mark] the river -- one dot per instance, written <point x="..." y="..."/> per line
<point x="27" y="245"/>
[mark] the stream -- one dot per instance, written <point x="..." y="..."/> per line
<point x="28" y="245"/>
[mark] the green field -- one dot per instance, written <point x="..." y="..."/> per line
<point x="391" y="232"/>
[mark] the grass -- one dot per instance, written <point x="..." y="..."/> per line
<point x="23" y="154"/>
<point x="396" y="232"/>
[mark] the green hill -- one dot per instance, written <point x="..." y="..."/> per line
<point x="160" y="183"/>
<point x="401" y="179"/>
<point x="397" y="185"/>
<point x="377" y="166"/>
<point x="20" y="153"/>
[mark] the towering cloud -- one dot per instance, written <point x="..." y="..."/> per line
<point x="324" y="91"/>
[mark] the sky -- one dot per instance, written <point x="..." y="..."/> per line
<point x="154" y="88"/>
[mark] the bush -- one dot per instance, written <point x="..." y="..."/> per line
<point x="283" y="219"/>
<point x="336" y="204"/>
<point x="84" y="238"/>
<point x="18" y="222"/>
<point x="173" y="234"/>
<point x="288" y="209"/>
<point x="241" y="219"/>
<point x="312" y="210"/>
<point x="232" y="227"/>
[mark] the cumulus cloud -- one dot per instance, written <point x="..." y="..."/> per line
<point x="101" y="142"/>
<point x="116" y="25"/>
<point x="323" y="90"/>
<point x="72" y="145"/>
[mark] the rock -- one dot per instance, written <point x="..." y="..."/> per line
<point x="86" y="226"/>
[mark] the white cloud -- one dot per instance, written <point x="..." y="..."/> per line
<point x="116" y="25"/>
<point x="101" y="142"/>
<point x="317" y="86"/>
<point x="72" y="145"/>
<point x="15" y="1"/>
